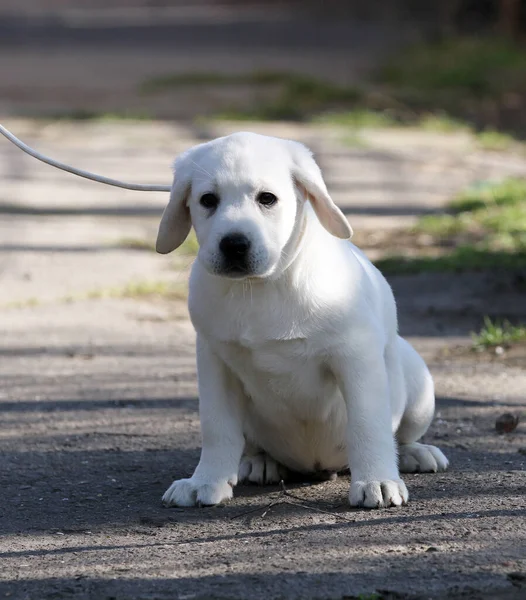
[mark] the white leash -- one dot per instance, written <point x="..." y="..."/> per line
<point x="140" y="187"/>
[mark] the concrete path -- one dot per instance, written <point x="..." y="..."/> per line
<point x="99" y="410"/>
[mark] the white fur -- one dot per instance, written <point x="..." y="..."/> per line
<point x="299" y="362"/>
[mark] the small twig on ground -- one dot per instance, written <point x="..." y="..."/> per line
<point x="253" y="510"/>
<point x="284" y="494"/>
<point x="320" y="510"/>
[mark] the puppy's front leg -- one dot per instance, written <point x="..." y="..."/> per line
<point x="220" y="412"/>
<point x="375" y="480"/>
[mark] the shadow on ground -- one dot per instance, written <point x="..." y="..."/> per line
<point x="337" y="584"/>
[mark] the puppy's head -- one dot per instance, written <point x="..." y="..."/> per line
<point x="245" y="194"/>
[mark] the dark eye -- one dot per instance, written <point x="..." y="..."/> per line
<point x="267" y="199"/>
<point x="209" y="201"/>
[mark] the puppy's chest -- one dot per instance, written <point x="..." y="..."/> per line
<point x="287" y="371"/>
<point x="276" y="346"/>
<point x="260" y="322"/>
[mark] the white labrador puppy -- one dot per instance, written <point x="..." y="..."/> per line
<point x="300" y="364"/>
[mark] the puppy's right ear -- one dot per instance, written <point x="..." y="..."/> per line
<point x="175" y="223"/>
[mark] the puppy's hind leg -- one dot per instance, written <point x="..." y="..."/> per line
<point x="259" y="467"/>
<point x="413" y="456"/>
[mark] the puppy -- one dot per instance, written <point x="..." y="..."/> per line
<point x="300" y="365"/>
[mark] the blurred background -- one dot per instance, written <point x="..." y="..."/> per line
<point x="275" y="59"/>
<point x="416" y="112"/>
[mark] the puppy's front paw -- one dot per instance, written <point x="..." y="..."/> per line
<point x="378" y="494"/>
<point x="191" y="492"/>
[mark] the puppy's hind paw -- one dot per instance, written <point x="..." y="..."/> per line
<point x="261" y="469"/>
<point x="421" y="458"/>
<point x="190" y="492"/>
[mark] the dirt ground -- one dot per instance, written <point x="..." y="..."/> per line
<point x="99" y="409"/>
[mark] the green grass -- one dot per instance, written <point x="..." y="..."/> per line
<point x="353" y="121"/>
<point x="498" y="333"/>
<point x="139" y="289"/>
<point x="28" y="303"/>
<point x="439" y="122"/>
<point x="350" y="124"/>
<point x="442" y="123"/>
<point x="101" y="117"/>
<point x="167" y="82"/>
<point x="136" y="289"/>
<point x="495" y="140"/>
<point x="363" y="118"/>
<point x="131" y="243"/>
<point x="190" y="246"/>
<point x="463" y="258"/>
<point x="296" y="96"/>
<point x="509" y="192"/>
<point x="359" y="118"/>
<point x="493" y="214"/>
<point x="485" y="229"/>
<point x="473" y="66"/>
<point x="472" y="79"/>
<point x="354" y="139"/>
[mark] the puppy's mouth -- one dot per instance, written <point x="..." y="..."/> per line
<point x="235" y="270"/>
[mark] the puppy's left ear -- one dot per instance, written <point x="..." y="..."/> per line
<point x="175" y="223"/>
<point x="309" y="180"/>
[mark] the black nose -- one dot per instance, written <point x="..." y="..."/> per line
<point x="235" y="247"/>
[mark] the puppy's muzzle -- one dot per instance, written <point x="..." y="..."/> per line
<point x="235" y="252"/>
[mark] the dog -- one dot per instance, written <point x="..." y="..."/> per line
<point x="300" y="365"/>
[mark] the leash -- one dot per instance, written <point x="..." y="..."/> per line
<point x="139" y="187"/>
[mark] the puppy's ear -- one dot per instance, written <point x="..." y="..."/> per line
<point x="175" y="223"/>
<point x="309" y="180"/>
